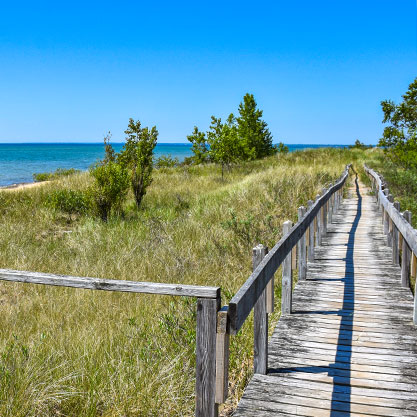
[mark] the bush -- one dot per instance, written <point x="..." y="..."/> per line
<point x="60" y="172"/>
<point x="69" y="201"/>
<point x="111" y="187"/>
<point x="166" y="161"/>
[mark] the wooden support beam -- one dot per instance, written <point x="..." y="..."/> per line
<point x="287" y="277"/>
<point x="319" y="222"/>
<point x="395" y="238"/>
<point x="406" y="257"/>
<point x="390" y="228"/>
<point x="301" y="249"/>
<point x="206" y="338"/>
<point x="222" y="356"/>
<point x="324" y="215"/>
<point x="260" y="320"/>
<point x="310" y="236"/>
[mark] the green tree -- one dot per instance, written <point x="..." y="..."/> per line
<point x="255" y="137"/>
<point x="399" y="139"/>
<point x="225" y="145"/>
<point x="137" y="157"/>
<point x="200" y="147"/>
<point x="281" y="148"/>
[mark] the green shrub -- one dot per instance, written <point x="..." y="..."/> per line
<point x="111" y="187"/>
<point x="69" y="201"/>
<point x="166" y="161"/>
<point x="60" y="172"/>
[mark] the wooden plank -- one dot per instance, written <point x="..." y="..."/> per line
<point x="260" y="320"/>
<point x="242" y="303"/>
<point x="301" y="249"/>
<point x="222" y="356"/>
<point x="109" y="284"/>
<point x="349" y="348"/>
<point x="310" y="235"/>
<point x="206" y="357"/>
<point x="287" y="278"/>
<point x="406" y="256"/>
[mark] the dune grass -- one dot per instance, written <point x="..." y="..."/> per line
<point x="68" y="352"/>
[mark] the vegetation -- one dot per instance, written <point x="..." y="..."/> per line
<point x="137" y="157"/>
<point x="48" y="176"/>
<point x="242" y="138"/>
<point x="399" y="139"/>
<point x="91" y="353"/>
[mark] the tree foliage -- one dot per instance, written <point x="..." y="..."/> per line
<point x="253" y="131"/>
<point x="199" y="146"/>
<point x="399" y="139"/>
<point x="225" y="146"/>
<point x="244" y="138"/>
<point x="137" y="157"/>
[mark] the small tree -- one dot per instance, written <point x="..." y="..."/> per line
<point x="200" y="146"/>
<point x="281" y="148"/>
<point x="225" y="146"/>
<point x="399" y="139"/>
<point x="253" y="131"/>
<point x="137" y="157"/>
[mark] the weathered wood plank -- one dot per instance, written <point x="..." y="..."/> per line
<point x="109" y="284"/>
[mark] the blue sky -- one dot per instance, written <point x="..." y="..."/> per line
<point x="72" y="71"/>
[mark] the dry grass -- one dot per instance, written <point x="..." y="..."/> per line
<point x="66" y="352"/>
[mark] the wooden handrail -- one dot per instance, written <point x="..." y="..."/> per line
<point x="246" y="297"/>
<point x="400" y="233"/>
<point x="109" y="284"/>
<point x="404" y="227"/>
<point x="208" y="306"/>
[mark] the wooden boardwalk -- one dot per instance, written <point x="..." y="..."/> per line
<point x="350" y="347"/>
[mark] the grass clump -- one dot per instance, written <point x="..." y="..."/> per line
<point x="68" y="352"/>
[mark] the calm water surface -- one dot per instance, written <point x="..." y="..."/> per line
<point x="18" y="162"/>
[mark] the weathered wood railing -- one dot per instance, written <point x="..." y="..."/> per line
<point x="215" y="324"/>
<point x="208" y="304"/>
<point x="257" y="292"/>
<point x="401" y="236"/>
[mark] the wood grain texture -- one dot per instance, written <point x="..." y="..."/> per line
<point x="287" y="277"/>
<point x="206" y="357"/>
<point x="109" y="284"/>
<point x="260" y="320"/>
<point x="244" y="300"/>
<point x="349" y="346"/>
<point x="301" y="249"/>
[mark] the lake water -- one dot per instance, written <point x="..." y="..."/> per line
<point x="18" y="162"/>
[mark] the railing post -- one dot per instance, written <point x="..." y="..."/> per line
<point x="302" y="259"/>
<point x="390" y="224"/>
<point x="395" y="239"/>
<point x="310" y="235"/>
<point x="318" y="222"/>
<point x="287" y="283"/>
<point x="415" y="289"/>
<point x="331" y="208"/>
<point x="324" y="213"/>
<point x="260" y="320"/>
<point x="385" y="219"/>
<point x="206" y="357"/>
<point x="222" y="356"/>
<point x="406" y="257"/>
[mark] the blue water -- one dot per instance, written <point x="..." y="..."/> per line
<point x="18" y="162"/>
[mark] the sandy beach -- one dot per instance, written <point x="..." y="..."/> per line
<point x="18" y="187"/>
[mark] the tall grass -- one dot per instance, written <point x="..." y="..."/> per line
<point x="68" y="352"/>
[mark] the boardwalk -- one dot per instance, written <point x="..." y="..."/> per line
<point x="350" y="346"/>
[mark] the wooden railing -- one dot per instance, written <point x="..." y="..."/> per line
<point x="401" y="236"/>
<point x="215" y="324"/>
<point x="208" y="304"/>
<point x="257" y="292"/>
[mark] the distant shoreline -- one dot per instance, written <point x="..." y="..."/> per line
<point x="22" y="185"/>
